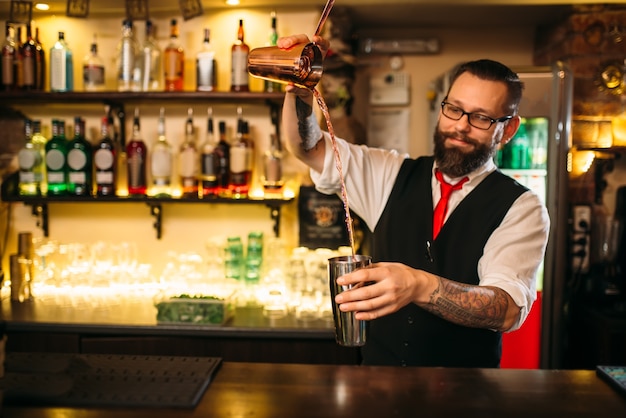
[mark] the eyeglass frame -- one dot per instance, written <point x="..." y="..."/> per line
<point x="469" y="115"/>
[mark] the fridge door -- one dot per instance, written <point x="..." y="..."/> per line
<point x="547" y="96"/>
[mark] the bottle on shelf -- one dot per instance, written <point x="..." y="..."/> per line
<point x="136" y="154"/>
<point x="41" y="63"/>
<point x="149" y="62"/>
<point x="31" y="161"/>
<point x="239" y="62"/>
<point x="206" y="67"/>
<point x="188" y="160"/>
<point x="79" y="162"/>
<point x="223" y="162"/>
<point x="117" y="132"/>
<point x="18" y="63"/>
<point x="9" y="56"/>
<point x="126" y="55"/>
<point x="161" y="161"/>
<point x="272" y="86"/>
<point x="28" y="52"/>
<point x="272" y="179"/>
<point x="61" y="66"/>
<point x="56" y="160"/>
<point x="174" y="57"/>
<point x="104" y="160"/>
<point x="93" y="69"/>
<point x="209" y="161"/>
<point x="241" y="162"/>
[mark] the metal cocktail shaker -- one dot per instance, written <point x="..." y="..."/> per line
<point x="302" y="64"/>
<point x="349" y="331"/>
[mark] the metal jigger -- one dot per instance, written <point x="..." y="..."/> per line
<point x="302" y="64"/>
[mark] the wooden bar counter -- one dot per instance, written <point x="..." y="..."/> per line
<point x="294" y="390"/>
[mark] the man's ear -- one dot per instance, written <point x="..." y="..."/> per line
<point x="510" y="129"/>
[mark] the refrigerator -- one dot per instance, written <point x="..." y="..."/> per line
<point x="546" y="109"/>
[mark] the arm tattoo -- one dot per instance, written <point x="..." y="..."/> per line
<point x="308" y="128"/>
<point x="470" y="306"/>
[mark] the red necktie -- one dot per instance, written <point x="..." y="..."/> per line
<point x="442" y="207"/>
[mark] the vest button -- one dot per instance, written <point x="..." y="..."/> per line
<point x="403" y="363"/>
<point x="406" y="343"/>
<point x="410" y="320"/>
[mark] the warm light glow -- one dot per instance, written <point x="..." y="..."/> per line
<point x="581" y="162"/>
<point x="42" y="6"/>
<point x="232" y="2"/>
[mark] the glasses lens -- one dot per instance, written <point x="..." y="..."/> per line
<point x="479" y="121"/>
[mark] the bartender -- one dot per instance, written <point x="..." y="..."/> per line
<point x="456" y="243"/>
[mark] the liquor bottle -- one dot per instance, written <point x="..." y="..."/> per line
<point x="126" y="54"/>
<point x="272" y="86"/>
<point x="223" y="162"/>
<point x="9" y="55"/>
<point x="517" y="151"/>
<point x="79" y="162"/>
<point x="41" y="63"/>
<point x="149" y="62"/>
<point x="18" y="63"/>
<point x="104" y="161"/>
<point x="28" y="52"/>
<point x="40" y="142"/>
<point x="61" y="66"/>
<point x="161" y="162"/>
<point x="93" y="69"/>
<point x="272" y="179"/>
<point x="241" y="156"/>
<point x="188" y="159"/>
<point x="174" y="61"/>
<point x="31" y="164"/>
<point x="209" y="161"/>
<point x="117" y="132"/>
<point x="206" y="71"/>
<point x="239" y="62"/>
<point x="136" y="154"/>
<point x="56" y="159"/>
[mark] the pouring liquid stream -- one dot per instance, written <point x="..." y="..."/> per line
<point x="344" y="194"/>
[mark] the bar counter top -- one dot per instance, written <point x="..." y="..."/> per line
<point x="294" y="390"/>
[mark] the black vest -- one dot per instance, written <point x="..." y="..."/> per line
<point x="412" y="336"/>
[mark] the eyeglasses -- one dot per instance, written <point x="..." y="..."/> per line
<point x="477" y="120"/>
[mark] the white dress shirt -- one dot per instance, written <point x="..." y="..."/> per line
<point x="513" y="253"/>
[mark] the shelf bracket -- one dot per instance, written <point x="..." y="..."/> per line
<point x="40" y="210"/>
<point x="156" y="210"/>
<point x="275" y="216"/>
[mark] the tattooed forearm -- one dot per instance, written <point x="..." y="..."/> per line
<point x="471" y="306"/>
<point x="308" y="127"/>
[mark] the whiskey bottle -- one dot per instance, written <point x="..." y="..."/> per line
<point x="174" y="61"/>
<point x="28" y="52"/>
<point x="79" y="162"/>
<point x="56" y="160"/>
<point x="223" y="162"/>
<point x="209" y="161"/>
<point x="136" y="154"/>
<point x="161" y="162"/>
<point x="239" y="62"/>
<point x="9" y="56"/>
<point x="61" y="66"/>
<point x="93" y="69"/>
<point x="31" y="164"/>
<point x="206" y="71"/>
<point x="188" y="160"/>
<point x="241" y="158"/>
<point x="272" y="178"/>
<point x="41" y="63"/>
<point x="104" y="160"/>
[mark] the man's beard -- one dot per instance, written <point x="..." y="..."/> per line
<point x="455" y="162"/>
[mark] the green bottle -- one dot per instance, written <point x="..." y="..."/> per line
<point x="56" y="160"/>
<point x="79" y="162"/>
<point x="519" y="149"/>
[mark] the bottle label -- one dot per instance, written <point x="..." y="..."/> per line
<point x="76" y="159"/>
<point x="28" y="158"/>
<point x="77" y="177"/>
<point x="55" y="160"/>
<point x="103" y="159"/>
<point x="58" y="64"/>
<point x="7" y="69"/>
<point x="56" y="177"/>
<point x="240" y="68"/>
<point x="188" y="163"/>
<point x="136" y="173"/>
<point x="173" y="65"/>
<point x="28" y="70"/>
<point x="209" y="165"/>
<point x="205" y="65"/>
<point x="93" y="75"/>
<point x="161" y="163"/>
<point x="27" y="177"/>
<point x="104" y="177"/>
<point x="238" y="159"/>
<point x="127" y="61"/>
